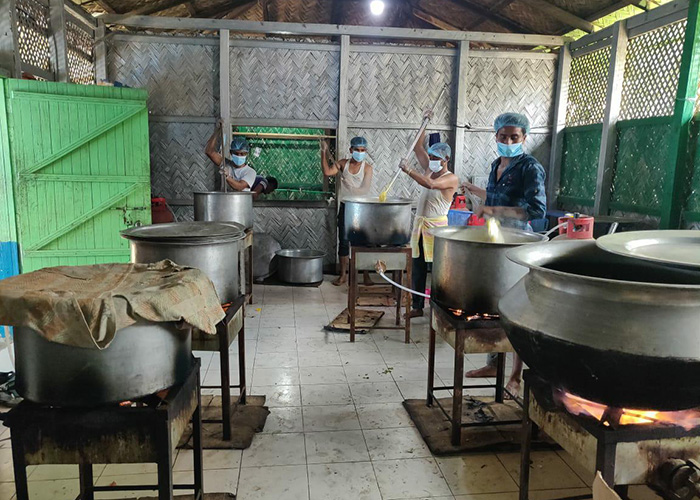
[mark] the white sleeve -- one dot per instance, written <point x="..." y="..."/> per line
<point x="249" y="177"/>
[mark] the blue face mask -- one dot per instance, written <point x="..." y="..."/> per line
<point x="358" y="156"/>
<point x="238" y="160"/>
<point x="510" y="150"/>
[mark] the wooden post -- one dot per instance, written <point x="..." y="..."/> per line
<point x="461" y="106"/>
<point x="10" y="63"/>
<point x="57" y="16"/>
<point x="342" y="132"/>
<point x="100" y="52"/>
<point x="674" y="189"/>
<point x="224" y="89"/>
<point x="608" y="141"/>
<point x="560" y="102"/>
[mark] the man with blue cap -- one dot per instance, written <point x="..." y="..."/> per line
<point x="515" y="194"/>
<point x="239" y="175"/>
<point x="438" y="186"/>
<point x="355" y="180"/>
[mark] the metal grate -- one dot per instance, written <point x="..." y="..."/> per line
<point x="33" y="34"/>
<point x="588" y="83"/>
<point x="81" y="61"/>
<point x="294" y="162"/>
<point x="652" y="68"/>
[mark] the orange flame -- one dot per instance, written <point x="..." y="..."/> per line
<point x="688" y="419"/>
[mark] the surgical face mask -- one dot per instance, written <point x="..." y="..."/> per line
<point x="358" y="156"/>
<point x="435" y="165"/>
<point x="510" y="150"/>
<point x="238" y="160"/>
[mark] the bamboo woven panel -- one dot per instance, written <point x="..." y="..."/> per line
<point x="81" y="61"/>
<point x="284" y="83"/>
<point x="396" y="88"/>
<point x="588" y="83"/>
<point x="33" y="33"/>
<point x="181" y="79"/>
<point x="651" y="74"/>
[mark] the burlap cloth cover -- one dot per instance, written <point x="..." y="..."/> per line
<point x="84" y="306"/>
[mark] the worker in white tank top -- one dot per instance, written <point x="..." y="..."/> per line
<point x="438" y="186"/>
<point x="355" y="180"/>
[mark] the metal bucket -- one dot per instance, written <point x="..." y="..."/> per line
<point x="369" y="222"/>
<point x="142" y="359"/>
<point x="470" y="272"/>
<point x="300" y="266"/>
<point x="224" y="207"/>
<point x="212" y="247"/>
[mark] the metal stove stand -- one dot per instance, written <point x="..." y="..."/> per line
<point x="398" y="261"/>
<point x="110" y="434"/>
<point x="475" y="336"/>
<point x="607" y="437"/>
<point x="231" y="327"/>
<point x="246" y="266"/>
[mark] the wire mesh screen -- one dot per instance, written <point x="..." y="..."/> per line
<point x="81" y="61"/>
<point x="33" y="34"/>
<point x="643" y="149"/>
<point x="693" y="190"/>
<point x="579" y="165"/>
<point x="588" y="82"/>
<point x="651" y="74"/>
<point x="292" y="156"/>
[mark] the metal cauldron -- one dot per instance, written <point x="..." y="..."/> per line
<point x="470" y="272"/>
<point x="369" y="222"/>
<point x="224" y="207"/>
<point x="612" y="329"/>
<point x="300" y="266"/>
<point x="142" y="359"/>
<point x="212" y="247"/>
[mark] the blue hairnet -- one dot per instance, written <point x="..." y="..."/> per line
<point x="358" y="142"/>
<point x="512" y="120"/>
<point x="239" y="143"/>
<point x="441" y="150"/>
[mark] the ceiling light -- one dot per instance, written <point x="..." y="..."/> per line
<point x="376" y="7"/>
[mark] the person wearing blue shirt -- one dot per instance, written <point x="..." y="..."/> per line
<point x="515" y="195"/>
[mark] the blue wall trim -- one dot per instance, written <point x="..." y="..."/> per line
<point x="9" y="259"/>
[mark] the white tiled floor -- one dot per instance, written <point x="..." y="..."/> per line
<point x="337" y="428"/>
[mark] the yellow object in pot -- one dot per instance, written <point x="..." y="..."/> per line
<point x="493" y="229"/>
<point x="382" y="196"/>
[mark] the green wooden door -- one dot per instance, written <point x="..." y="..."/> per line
<point x="81" y="172"/>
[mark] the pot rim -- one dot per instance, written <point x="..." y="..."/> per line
<point x="233" y="193"/>
<point x="536" y="237"/>
<point x="235" y="232"/>
<point x="374" y="200"/>
<point x="315" y="254"/>
<point x="519" y="256"/>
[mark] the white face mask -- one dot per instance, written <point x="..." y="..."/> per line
<point x="435" y="165"/>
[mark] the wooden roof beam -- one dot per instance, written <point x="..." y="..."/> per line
<point x="102" y="3"/>
<point x="155" y="7"/>
<point x="191" y="9"/>
<point x="480" y="19"/>
<point x="434" y="21"/>
<point x="564" y="16"/>
<point x="235" y="9"/>
<point x="507" y="23"/>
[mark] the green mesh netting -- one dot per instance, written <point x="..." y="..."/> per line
<point x="580" y="164"/>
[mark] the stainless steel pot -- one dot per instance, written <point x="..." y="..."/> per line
<point x="141" y="360"/>
<point x="470" y="272"/>
<point x="300" y="266"/>
<point x="613" y="329"/>
<point x="224" y="207"/>
<point x="212" y="247"/>
<point x="369" y="222"/>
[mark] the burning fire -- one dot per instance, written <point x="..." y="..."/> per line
<point x="473" y="317"/>
<point x="688" y="419"/>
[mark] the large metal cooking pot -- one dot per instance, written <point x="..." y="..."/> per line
<point x="369" y="222"/>
<point x="142" y="359"/>
<point x="212" y="247"/>
<point x="613" y="329"/>
<point x="300" y="266"/>
<point x="224" y="207"/>
<point x="472" y="273"/>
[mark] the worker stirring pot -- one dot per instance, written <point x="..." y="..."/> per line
<point x="239" y="175"/>
<point x="515" y="194"/>
<point x="355" y="180"/>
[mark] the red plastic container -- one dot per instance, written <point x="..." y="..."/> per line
<point x="476" y="221"/>
<point x="160" y="211"/>
<point x="577" y="227"/>
<point x="460" y="201"/>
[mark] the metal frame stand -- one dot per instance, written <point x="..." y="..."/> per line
<point x="110" y="434"/>
<point x="232" y="326"/>
<point x="398" y="261"/>
<point x="475" y="336"/>
<point x="247" y="266"/>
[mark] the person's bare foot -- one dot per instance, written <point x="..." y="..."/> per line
<point x="415" y="313"/>
<point x="483" y="372"/>
<point x="340" y="280"/>
<point x="513" y="388"/>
